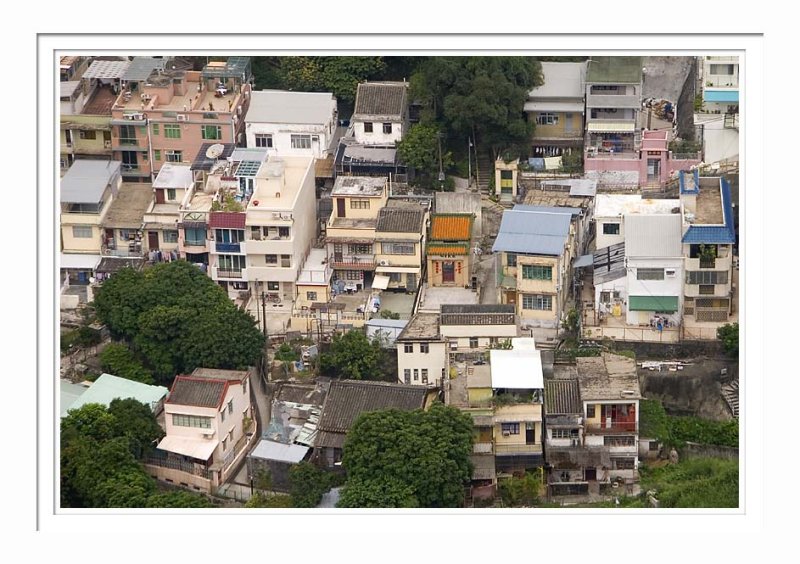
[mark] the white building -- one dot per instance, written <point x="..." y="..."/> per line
<point x="380" y="116"/>
<point x="476" y="327"/>
<point x="610" y="210"/>
<point x="422" y="355"/>
<point x="292" y="123"/>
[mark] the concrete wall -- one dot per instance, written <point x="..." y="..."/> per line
<point x="434" y="361"/>
<point x="461" y="271"/>
<point x="560" y="129"/>
<point x="613" y="177"/>
<point x="669" y="286"/>
<point x="378" y="137"/>
<point x="695" y="450"/>
<point x="282" y="136"/>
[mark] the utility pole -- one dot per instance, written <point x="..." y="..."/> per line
<point x="469" y="162"/>
<point x="264" y="312"/>
<point x="441" y="172"/>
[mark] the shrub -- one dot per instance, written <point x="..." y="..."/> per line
<point x="117" y="359"/>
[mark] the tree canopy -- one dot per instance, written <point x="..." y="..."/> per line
<point x="307" y="484"/>
<point x="420" y="149"/>
<point x="352" y="356"/>
<point x="398" y="458"/>
<point x="178" y="319"/>
<point x="729" y="335"/>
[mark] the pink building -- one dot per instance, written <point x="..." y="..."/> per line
<point x="164" y="114"/>
<point x="653" y="165"/>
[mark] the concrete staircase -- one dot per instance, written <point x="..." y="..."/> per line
<point x="730" y="392"/>
<point x="484" y="172"/>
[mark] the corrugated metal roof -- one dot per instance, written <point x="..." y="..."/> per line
<point x="229" y="220"/>
<point x="86" y="180"/>
<point x="270" y="450"/>
<point x="283" y="106"/>
<point x="447" y="249"/>
<point x="451" y="227"/>
<point x="69" y="87"/>
<point x="141" y="68"/>
<point x="533" y="232"/>
<point x="609" y="263"/>
<point x="721" y="96"/>
<point x="106" y="69"/>
<point x="200" y="392"/>
<point x="108" y="388"/>
<point x="562" y="397"/>
<point x="79" y="260"/>
<point x="717" y="234"/>
<point x="657" y="235"/>
<point x="548" y="209"/>
<point x="552" y="106"/>
<point x="173" y="176"/>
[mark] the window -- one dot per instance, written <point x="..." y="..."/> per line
<point x="156" y="154"/>
<point x="720" y="69"/>
<point x="81" y="231"/>
<point x="536" y="272"/>
<point x="537" y="302"/>
<point x="590" y="411"/>
<point x="232" y="262"/>
<point x="510" y="428"/>
<point x="170" y="236"/>
<point x="408" y="348"/>
<point x="649" y="273"/>
<point x="211" y="131"/>
<point x="286" y="261"/>
<point x="195" y="236"/>
<point x="171" y="194"/>
<point x="229" y="235"/>
<point x="706" y="290"/>
<point x="424" y="348"/>
<point x="511" y="259"/>
<point x="301" y="141"/>
<point x="263" y="140"/>
<point x="191" y="421"/>
<point x="611" y="229"/>
<point x="387" y="127"/>
<point x="222" y="414"/>
<point x="623" y="463"/>
<point x="283" y="232"/>
<point x="230" y="406"/>
<point x="352" y="274"/>
<point x="360" y="249"/>
<point x="564" y="433"/>
<point x="473" y="342"/>
<point x="273" y="286"/>
<point x="416" y="375"/>
<point x="619" y="441"/>
<point x="172" y="131"/>
<point x="407" y="375"/>
<point x="88" y="135"/>
<point x="225" y="443"/>
<point x="706" y="277"/>
<point x="272" y="259"/>
<point x="367" y="127"/>
<point x="359" y="204"/>
<point x="424" y="375"/>
<point x="398" y="248"/>
<point x="174" y="156"/>
<point x="311" y="296"/>
<point x="155" y="129"/>
<point x="547" y="119"/>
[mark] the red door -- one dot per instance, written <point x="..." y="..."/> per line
<point x="152" y="240"/>
<point x="160" y="196"/>
<point x="340" y="207"/>
<point x="448" y="272"/>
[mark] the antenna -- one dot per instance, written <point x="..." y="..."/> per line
<point x="215" y="150"/>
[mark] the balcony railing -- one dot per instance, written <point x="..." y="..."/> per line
<point x="194" y="243"/>
<point x="222" y="273"/>
<point x="132" y="141"/>
<point x="228" y="247"/>
<point x="482" y="448"/>
<point x="354" y="262"/>
<point x="609" y="155"/>
<point x="518" y="449"/>
<point x="708" y="262"/>
<point x="722" y="81"/>
<point x="612" y="427"/>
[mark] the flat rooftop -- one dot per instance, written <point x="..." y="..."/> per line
<point x="315" y="269"/>
<point x="284" y="106"/>
<point x="174" y="176"/>
<point x="272" y="193"/>
<point x="423" y="326"/>
<point x="608" y="377"/>
<point x="435" y="296"/>
<point x="555" y="199"/>
<point x="129" y="206"/>
<point x="353" y="223"/>
<point x="709" y="202"/>
<point x="366" y="186"/>
<point x="100" y="102"/>
<point x="614" y="70"/>
<point x="615" y="205"/>
<point x="206" y="101"/>
<point x="561" y="80"/>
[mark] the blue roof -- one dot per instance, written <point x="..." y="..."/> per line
<point x="715" y="234"/>
<point x="729" y="96"/>
<point x="686" y="182"/>
<point x="533" y="230"/>
<point x="548" y="209"/>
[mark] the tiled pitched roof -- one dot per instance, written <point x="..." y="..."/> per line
<point x="386" y="99"/>
<point x="199" y="392"/>
<point x="347" y="399"/>
<point x="451" y="227"/>
<point x="562" y="397"/>
<point x="448" y="249"/>
<point x="230" y="220"/>
<point x="477" y="314"/>
<point x="400" y="220"/>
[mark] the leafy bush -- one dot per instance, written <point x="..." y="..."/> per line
<point x="729" y="335"/>
<point x="520" y="492"/>
<point x="697" y="482"/>
<point x="117" y="359"/>
<point x="704" y="431"/>
<point x="307" y="484"/>
<point x="286" y="353"/>
<point x="388" y="314"/>
<point x="260" y="499"/>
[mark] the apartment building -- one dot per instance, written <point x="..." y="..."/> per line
<point x="720" y="76"/>
<point x="171" y="188"/>
<point x="472" y="328"/>
<point x="164" y="114"/>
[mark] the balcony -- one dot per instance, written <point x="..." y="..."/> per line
<point x="518" y="449"/>
<point x="134" y="170"/>
<point x="722" y="81"/>
<point x="482" y="448"/>
<point x="611" y="427"/>
<point x="236" y="273"/>
<point x="353" y="262"/>
<point x="609" y="100"/>
<point x="218" y="247"/>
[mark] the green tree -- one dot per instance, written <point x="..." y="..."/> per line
<point x="420" y="149"/>
<point x="178" y="499"/>
<point x="259" y="499"/>
<point x="729" y="335"/>
<point x="352" y="356"/>
<point x="286" y="353"/>
<point x="377" y="493"/>
<point x="339" y="75"/>
<point x="136" y="422"/>
<point x="428" y="451"/>
<point x="307" y="484"/>
<point x="520" y="491"/>
<point x="119" y="360"/>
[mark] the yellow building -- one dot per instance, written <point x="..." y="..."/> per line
<point x="449" y="250"/>
<point x="399" y="239"/>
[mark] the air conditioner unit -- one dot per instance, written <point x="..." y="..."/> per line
<point x="315" y="137"/>
<point x="135" y="116"/>
<point x="384" y="263"/>
<point x="506" y="433"/>
<point x="181" y="117"/>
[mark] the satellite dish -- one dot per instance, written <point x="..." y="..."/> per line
<point x="215" y="150"/>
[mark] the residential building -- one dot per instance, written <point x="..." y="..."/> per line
<point x="164" y="114"/>
<point x="292" y="124"/>
<point x="385" y="330"/>
<point x="720" y="76"/>
<point x="613" y="102"/>
<point x="350" y="231"/>
<point x="122" y="225"/>
<point x="380" y="119"/>
<point x="277" y="460"/>
<point x="556" y="108"/>
<point x="87" y="191"/>
<point x="422" y="352"/>
<point x="347" y="399"/>
<point x="652" y="166"/>
<point x="611" y="209"/>
<point x="534" y="250"/>
<point x="609" y="394"/>
<point x="279" y="226"/>
<point x="108" y="387"/>
<point x="313" y="283"/>
<point x="71" y="67"/>
<point x="171" y="188"/>
<point x="708" y="241"/>
<point x="517" y="385"/>
<point x="399" y="241"/>
<point x="477" y="327"/>
<point x="449" y="250"/>
<point x="566" y="454"/>
<point x="207" y="416"/>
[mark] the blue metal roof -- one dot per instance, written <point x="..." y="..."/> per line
<point x="715" y="234"/>
<point x="533" y="231"/>
<point x="723" y="96"/>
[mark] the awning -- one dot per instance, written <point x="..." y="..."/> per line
<point x="408" y="269"/>
<point x="653" y="303"/>
<point x="583" y="260"/>
<point x="610" y="127"/>
<point x="88" y="262"/>
<point x="380" y="282"/>
<point x="195" y="448"/>
<point x="723" y="96"/>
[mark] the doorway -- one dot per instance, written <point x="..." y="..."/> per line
<point x="653" y="170"/>
<point x="448" y="272"/>
<point x="591" y="474"/>
<point x="152" y="240"/>
<point x="530" y="433"/>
